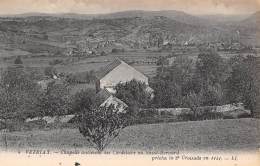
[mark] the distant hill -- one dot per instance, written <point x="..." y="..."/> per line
<point x="129" y="32"/>
<point x="39" y="32"/>
<point x="172" y="14"/>
<point x="250" y="29"/>
<point x="251" y="20"/>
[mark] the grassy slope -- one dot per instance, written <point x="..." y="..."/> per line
<point x="241" y="134"/>
<point x="96" y="63"/>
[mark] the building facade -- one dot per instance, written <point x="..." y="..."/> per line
<point x="118" y="72"/>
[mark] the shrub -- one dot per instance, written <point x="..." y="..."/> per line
<point x="100" y="126"/>
<point x="185" y="117"/>
<point x="117" y="50"/>
<point x="211" y="116"/>
<point x="243" y="115"/>
<point x="18" y="60"/>
<point x="229" y="116"/>
<point x="103" y="53"/>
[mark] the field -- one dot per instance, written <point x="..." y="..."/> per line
<point x="138" y="59"/>
<point x="217" y="135"/>
<point x="141" y="60"/>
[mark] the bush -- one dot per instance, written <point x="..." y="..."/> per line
<point x="103" y="53"/>
<point x="185" y="117"/>
<point x="229" y="116"/>
<point x="244" y="115"/>
<point x="211" y="116"/>
<point x="117" y="50"/>
<point x="18" y="60"/>
<point x="100" y="126"/>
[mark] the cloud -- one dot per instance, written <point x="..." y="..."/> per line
<point x="104" y="6"/>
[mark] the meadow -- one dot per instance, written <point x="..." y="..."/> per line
<point x="143" y="61"/>
<point x="213" y="135"/>
<point x="138" y="59"/>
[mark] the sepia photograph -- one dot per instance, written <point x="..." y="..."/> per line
<point x="156" y="82"/>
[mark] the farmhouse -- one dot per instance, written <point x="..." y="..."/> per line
<point x="118" y="72"/>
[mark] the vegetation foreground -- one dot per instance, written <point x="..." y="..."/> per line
<point x="217" y="135"/>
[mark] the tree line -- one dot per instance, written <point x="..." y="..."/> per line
<point x="207" y="80"/>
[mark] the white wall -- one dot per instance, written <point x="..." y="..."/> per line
<point x="122" y="73"/>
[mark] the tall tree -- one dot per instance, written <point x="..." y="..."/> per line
<point x="18" y="93"/>
<point x="211" y="72"/>
<point x="173" y="82"/>
<point x="83" y="101"/>
<point x="54" y="101"/>
<point x="242" y="83"/>
<point x="133" y="93"/>
<point x="193" y="101"/>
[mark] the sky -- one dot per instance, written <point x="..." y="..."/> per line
<point x="108" y="6"/>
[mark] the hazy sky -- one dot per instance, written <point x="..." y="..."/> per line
<point x="106" y="6"/>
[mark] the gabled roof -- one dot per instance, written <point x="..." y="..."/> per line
<point x="106" y="99"/>
<point x="104" y="71"/>
<point x="113" y="100"/>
